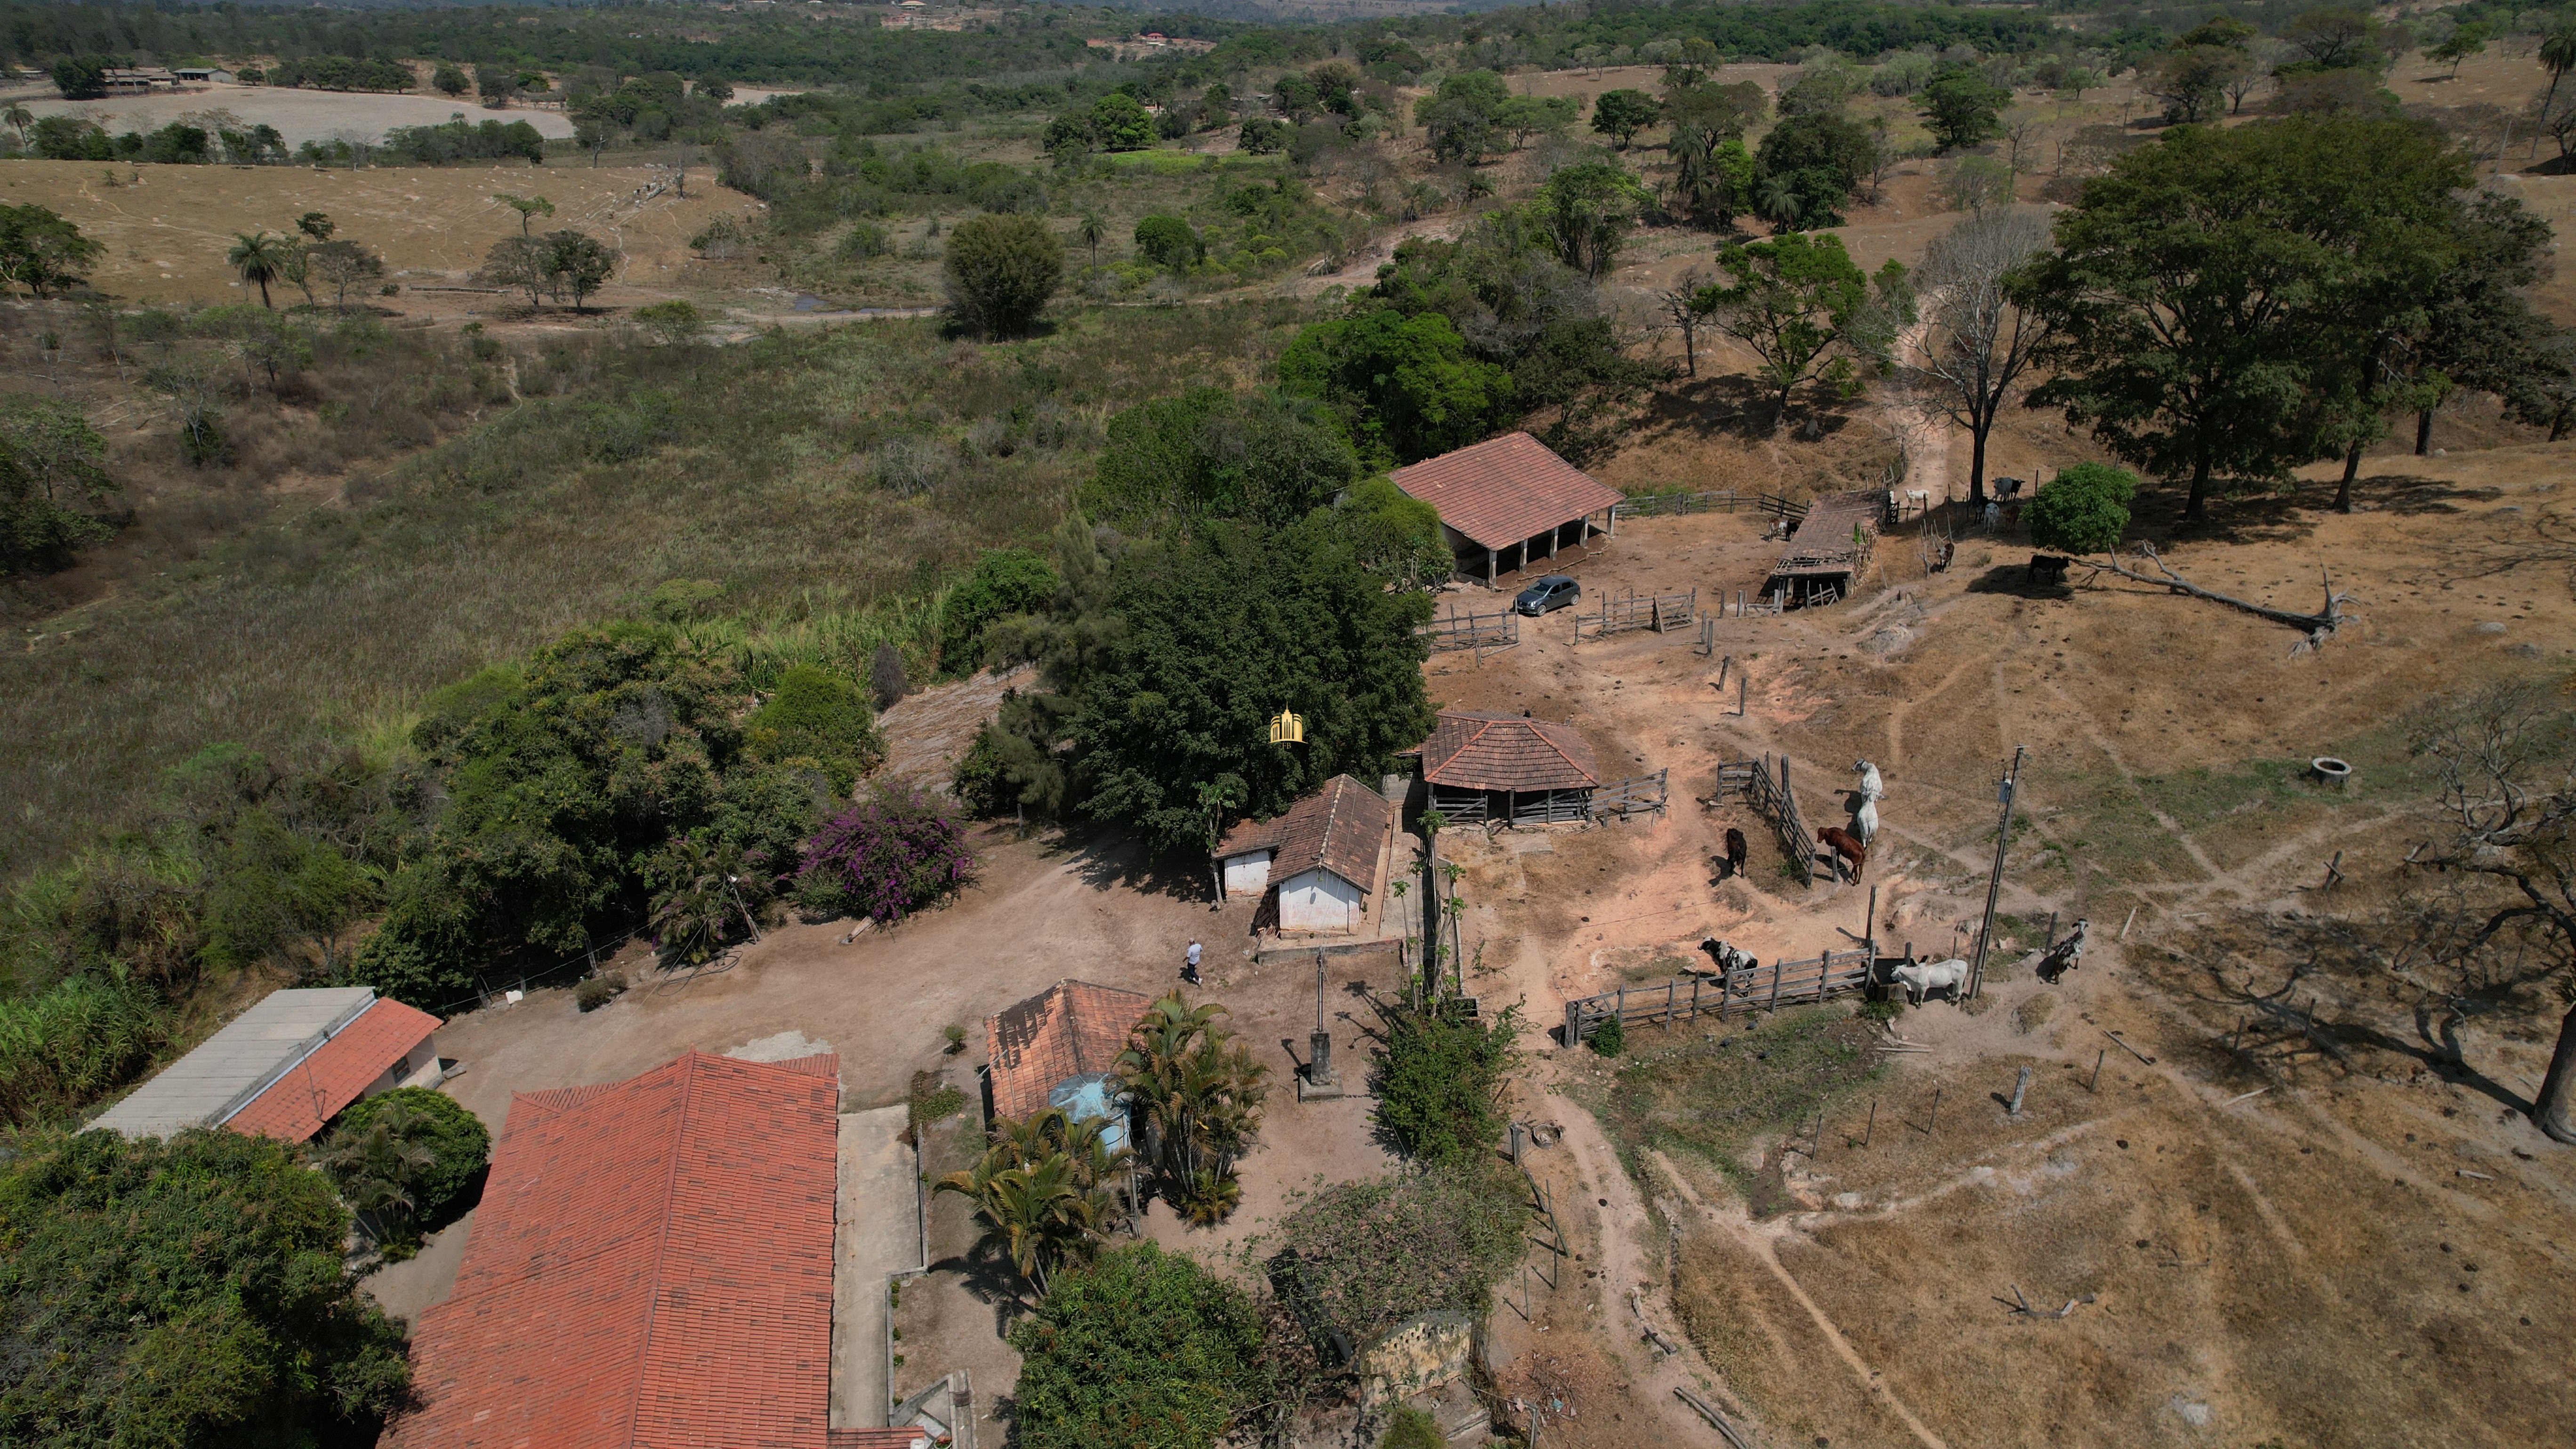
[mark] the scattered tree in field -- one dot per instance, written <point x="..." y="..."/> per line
<point x="188" y="1290"/>
<point x="1963" y="108"/>
<point x="1587" y="210"/>
<point x="2084" y="509"/>
<point x="1806" y="310"/>
<point x="2557" y="56"/>
<point x="1820" y="160"/>
<point x="260" y="258"/>
<point x="529" y="208"/>
<point x="2337" y="38"/>
<point x="1621" y="114"/>
<point x="1091" y="230"/>
<point x="677" y="322"/>
<point x="1465" y="118"/>
<point x="1006" y="582"/>
<point x="577" y="263"/>
<point x="1000" y="272"/>
<point x="448" y="79"/>
<point x="2463" y="42"/>
<point x="1138" y="1338"/>
<point x="2505" y="757"/>
<point x="53" y="481"/>
<point x="1199" y="1092"/>
<point x="519" y="263"/>
<point x="1169" y="242"/>
<point x="1976" y="342"/>
<point x="341" y="265"/>
<point x="885" y="857"/>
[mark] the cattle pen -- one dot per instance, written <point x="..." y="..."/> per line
<point x="1746" y="988"/>
<point x="1829" y="549"/>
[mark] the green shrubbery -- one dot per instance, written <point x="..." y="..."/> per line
<point x="405" y="1160"/>
<point x="1441" y="1079"/>
<point x="2084" y="509"/>
<point x="73" y="1042"/>
<point x="1140" y="1346"/>
<point x="188" y="1291"/>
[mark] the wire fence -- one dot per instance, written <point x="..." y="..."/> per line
<point x="571" y="968"/>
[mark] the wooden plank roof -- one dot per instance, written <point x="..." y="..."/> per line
<point x="1823" y="543"/>
<point x="1505" y="490"/>
<point x="1476" y="750"/>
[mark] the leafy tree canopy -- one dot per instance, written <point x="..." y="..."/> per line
<point x="1265" y="457"/>
<point x="1820" y="160"/>
<point x="1407" y="385"/>
<point x="2084" y="509"/>
<point x="186" y="1291"/>
<point x="1621" y="114"/>
<point x="821" y="720"/>
<point x="1006" y="581"/>
<point x="1001" y="270"/>
<point x="1140" y="1347"/>
<point x="1963" y="108"/>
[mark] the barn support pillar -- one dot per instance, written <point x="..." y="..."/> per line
<point x="1489" y="568"/>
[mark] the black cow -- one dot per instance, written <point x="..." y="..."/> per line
<point x="2047" y="570"/>
<point x="1736" y="852"/>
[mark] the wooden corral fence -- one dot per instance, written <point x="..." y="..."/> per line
<point x="1482" y="633"/>
<point x="1750" y="988"/>
<point x="1777" y="804"/>
<point x="1640" y="795"/>
<point x="1632" y="611"/>
<point x="1649" y="505"/>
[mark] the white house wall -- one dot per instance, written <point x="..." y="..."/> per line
<point x="1318" y="900"/>
<point x="1248" y="874"/>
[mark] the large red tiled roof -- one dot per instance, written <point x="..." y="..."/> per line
<point x="312" y="1092"/>
<point x="1505" y="490"/>
<point x="1067" y="1030"/>
<point x="1339" y="827"/>
<point x="1474" y="750"/>
<point x="651" y="1265"/>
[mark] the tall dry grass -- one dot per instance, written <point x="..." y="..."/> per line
<point x="625" y="465"/>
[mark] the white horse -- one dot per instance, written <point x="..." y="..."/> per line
<point x="1871" y="786"/>
<point x="1921" y="978"/>
<point x="1865" y="819"/>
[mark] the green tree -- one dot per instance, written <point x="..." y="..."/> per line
<point x="1199" y="1093"/>
<point x="1821" y="160"/>
<point x="2084" y="509"/>
<point x="18" y="118"/>
<point x="2557" y="56"/>
<point x="1091" y="230"/>
<point x="519" y="264"/>
<point x="449" y="80"/>
<point x="529" y="208"/>
<point x="1464" y="119"/>
<point x="2338" y="38"/>
<point x="183" y="1291"/>
<point x="1963" y="108"/>
<point x="53" y="480"/>
<point x="260" y="258"/>
<point x="1006" y="582"/>
<point x="577" y="263"/>
<point x="819" y="719"/>
<point x="1140" y="1347"/>
<point x="1587" y="210"/>
<point x="1119" y="123"/>
<point x="456" y="1141"/>
<point x="695" y="880"/>
<point x="1406" y="384"/>
<point x="2203" y="293"/>
<point x="1621" y="114"/>
<point x="1169" y="243"/>
<point x="83" y="77"/>
<point x="1441" y="1081"/>
<point x="2463" y="42"/>
<point x="1000" y="272"/>
<point x="273" y="889"/>
<point x="2192" y="80"/>
<point x="1395" y="535"/>
<point x="1043" y="1189"/>
<point x="1264" y="457"/>
<point x="1805" y="309"/>
<point x="341" y="265"/>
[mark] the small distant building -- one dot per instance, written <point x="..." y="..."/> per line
<point x="1320" y="860"/>
<point x="137" y="80"/>
<point x="1509" y="500"/>
<point x="651" y="1263"/>
<point x="1060" y="1048"/>
<point x="287" y="1066"/>
<point x="1508" y="767"/>
<point x="198" y="75"/>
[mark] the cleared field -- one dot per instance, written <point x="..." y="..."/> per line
<point x="298" y="115"/>
<point x="166" y="227"/>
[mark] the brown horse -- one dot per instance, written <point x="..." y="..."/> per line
<point x="1847" y="847"/>
<point x="1736" y="852"/>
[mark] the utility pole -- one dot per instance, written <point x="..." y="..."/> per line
<point x="2009" y="786"/>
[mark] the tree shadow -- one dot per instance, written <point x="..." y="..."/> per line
<point x="2014" y="579"/>
<point x="1733" y="405"/>
<point x="987" y="1275"/>
<point x="1109" y="859"/>
<point x="2413" y="496"/>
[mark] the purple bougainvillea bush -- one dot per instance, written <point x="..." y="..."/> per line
<point x="889" y="854"/>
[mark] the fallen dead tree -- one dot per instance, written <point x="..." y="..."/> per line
<point x="2319" y="627"/>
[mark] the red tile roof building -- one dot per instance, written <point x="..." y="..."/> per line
<point x="1476" y="750"/>
<point x="1071" y="1029"/>
<point x="651" y="1265"/>
<point x="1510" y="494"/>
<point x="387" y="1044"/>
<point x="1338" y="828"/>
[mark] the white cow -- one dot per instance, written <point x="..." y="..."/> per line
<point x="1865" y="819"/>
<point x="1871" y="786"/>
<point x="1729" y="958"/>
<point x="1921" y="978"/>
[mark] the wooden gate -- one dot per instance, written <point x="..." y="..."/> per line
<point x="1777" y="804"/>
<point x="1750" y="988"/>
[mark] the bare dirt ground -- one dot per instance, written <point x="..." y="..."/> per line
<point x="299" y="115"/>
<point x="2294" y="1281"/>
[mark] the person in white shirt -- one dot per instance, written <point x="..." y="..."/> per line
<point x="1190" y="964"/>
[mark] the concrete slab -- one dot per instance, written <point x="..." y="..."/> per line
<point x="876" y="1233"/>
<point x="403" y="1290"/>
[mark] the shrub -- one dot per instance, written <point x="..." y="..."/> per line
<point x="187" y="1291"/>
<point x="593" y="993"/>
<point x="458" y="1144"/>
<point x="1167" y="241"/>
<point x="72" y="1043"/>
<point x="1609" y="1038"/>
<point x="1374" y="1253"/>
<point x="1000" y="271"/>
<point x="888" y="855"/>
<point x="1006" y="581"/>
<point x="886" y="677"/>
<point x="675" y="322"/>
<point x="1441" y="1079"/>
<point x="865" y="239"/>
<point x="1412" y="1429"/>
<point x="1886" y="1010"/>
<point x="820" y="718"/>
<point x="1140" y="1337"/>
<point x="2084" y="509"/>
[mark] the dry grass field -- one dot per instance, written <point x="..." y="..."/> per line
<point x="166" y="227"/>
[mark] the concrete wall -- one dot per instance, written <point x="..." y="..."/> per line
<point x="1318" y="900"/>
<point x="1417" y="1354"/>
<point x="1247" y="874"/>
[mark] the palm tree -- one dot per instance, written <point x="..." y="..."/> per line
<point x="1042" y="1189"/>
<point x="1091" y="229"/>
<point x="1199" y="1093"/>
<point x="1779" y="202"/>
<point x="2557" y="56"/>
<point x="19" y="118"/>
<point x="695" y="911"/>
<point x="375" y="1168"/>
<point x="259" y="257"/>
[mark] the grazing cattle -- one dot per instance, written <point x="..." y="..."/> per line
<point x="1865" y="820"/>
<point x="1728" y="958"/>
<point x="1736" y="852"/>
<point x="1846" y="848"/>
<point x="1921" y="978"/>
<point x="1871" y="786"/>
<point x="2065" y="956"/>
<point x="1941" y="560"/>
<point x="2008" y="489"/>
<point x="2048" y="570"/>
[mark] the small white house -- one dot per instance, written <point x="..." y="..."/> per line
<point x="1317" y="864"/>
